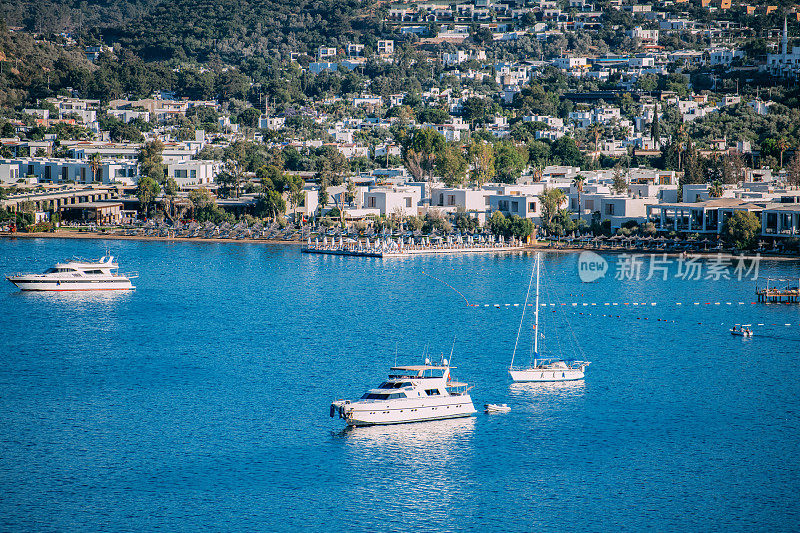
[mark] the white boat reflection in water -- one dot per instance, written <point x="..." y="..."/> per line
<point x="547" y="389"/>
<point x="434" y="435"/>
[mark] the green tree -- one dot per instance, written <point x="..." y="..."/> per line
<point x="270" y="203"/>
<point x="147" y="189"/>
<point x="619" y="185"/>
<point x="550" y="201"/>
<point x="170" y="189"/>
<point x="741" y="229"/>
<point x="481" y="156"/>
<point x="566" y="152"/>
<point x="421" y="148"/>
<point x="655" y="128"/>
<point x="333" y="166"/>
<point x="151" y="164"/>
<point x="578" y="181"/>
<point x="793" y="170"/>
<point x="497" y="223"/>
<point x="509" y="161"/>
<point x="451" y="165"/>
<point x="322" y="195"/>
<point x="95" y="161"/>
<point x="249" y="117"/>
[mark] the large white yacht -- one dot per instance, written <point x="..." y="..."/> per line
<point x="77" y="275"/>
<point x="411" y="394"/>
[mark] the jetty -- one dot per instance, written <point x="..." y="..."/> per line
<point x="775" y="295"/>
<point x="405" y="247"/>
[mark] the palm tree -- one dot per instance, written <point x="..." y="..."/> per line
<point x="783" y="145"/>
<point x="595" y="130"/>
<point x="94" y="162"/>
<point x="578" y="182"/>
<point x="679" y="144"/>
<point x="716" y="189"/>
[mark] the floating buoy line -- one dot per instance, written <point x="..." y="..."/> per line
<point x="611" y="304"/>
<point x="623" y="305"/>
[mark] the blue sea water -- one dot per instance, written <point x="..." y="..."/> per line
<point x="200" y="400"/>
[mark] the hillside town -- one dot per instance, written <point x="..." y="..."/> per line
<point x="670" y="118"/>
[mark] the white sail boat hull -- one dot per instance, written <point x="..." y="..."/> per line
<point x="546" y="374"/>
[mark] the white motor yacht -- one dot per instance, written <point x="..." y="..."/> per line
<point x="77" y="275"/>
<point x="411" y="394"/>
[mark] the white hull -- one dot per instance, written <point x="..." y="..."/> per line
<point x="69" y="285"/>
<point x="546" y="374"/>
<point x="369" y="413"/>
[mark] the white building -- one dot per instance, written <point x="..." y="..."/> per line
<point x="394" y="200"/>
<point x="326" y="52"/>
<point x="127" y="115"/>
<point x="271" y="123"/>
<point x="470" y="200"/>
<point x="385" y="47"/>
<point x="45" y="170"/>
<point x="194" y="172"/>
<point x="84" y="111"/>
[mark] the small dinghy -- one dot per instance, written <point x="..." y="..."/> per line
<point x="742" y="331"/>
<point x="496" y="408"/>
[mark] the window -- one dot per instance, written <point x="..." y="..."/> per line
<point x="532" y="207"/>
<point x="64" y="173"/>
<point x="515" y="206"/>
<point x="376" y="396"/>
<point x="408" y="202"/>
<point x="609" y="209"/>
<point x="373" y="396"/>
<point x="371" y="201"/>
<point x="432" y="392"/>
<point x="193" y="174"/>
<point x="83" y="174"/>
<point x="451" y="199"/>
<point x="394" y="385"/>
<point x="47" y="171"/>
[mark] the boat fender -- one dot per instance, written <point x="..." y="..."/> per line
<point x="333" y="410"/>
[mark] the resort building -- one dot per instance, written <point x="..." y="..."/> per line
<point x="46" y="170"/>
<point x="394" y="200"/>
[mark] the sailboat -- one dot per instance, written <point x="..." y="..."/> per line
<point x="540" y="370"/>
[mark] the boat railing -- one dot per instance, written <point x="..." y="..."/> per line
<point x="131" y="275"/>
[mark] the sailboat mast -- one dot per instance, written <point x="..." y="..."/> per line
<point x="536" y="312"/>
<point x="524" y="307"/>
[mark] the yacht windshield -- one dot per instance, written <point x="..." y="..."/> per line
<point x="394" y="385"/>
<point x="376" y="396"/>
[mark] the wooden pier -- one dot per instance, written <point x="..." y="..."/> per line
<point x="358" y="250"/>
<point x="775" y="295"/>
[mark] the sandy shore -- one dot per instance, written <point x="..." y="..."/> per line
<point x="68" y="234"/>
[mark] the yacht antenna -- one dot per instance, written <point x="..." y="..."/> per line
<point x="450" y="359"/>
<point x="522" y="319"/>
